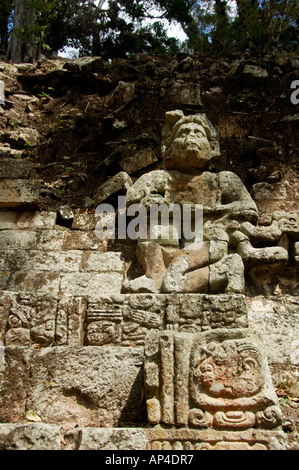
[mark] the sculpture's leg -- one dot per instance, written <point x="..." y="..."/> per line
<point x="189" y="271"/>
<point x="227" y="275"/>
<point x="151" y="258"/>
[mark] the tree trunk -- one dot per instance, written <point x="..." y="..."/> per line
<point x="22" y="45"/>
<point x="245" y="9"/>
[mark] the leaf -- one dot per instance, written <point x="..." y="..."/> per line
<point x="32" y="416"/>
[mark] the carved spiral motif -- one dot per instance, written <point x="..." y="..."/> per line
<point x="199" y="418"/>
<point x="269" y="418"/>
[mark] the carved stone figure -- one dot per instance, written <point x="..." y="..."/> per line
<point x="211" y="262"/>
<point x="218" y="378"/>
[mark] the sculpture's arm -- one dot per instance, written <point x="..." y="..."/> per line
<point x="269" y="234"/>
<point x="149" y="189"/>
<point x="236" y="202"/>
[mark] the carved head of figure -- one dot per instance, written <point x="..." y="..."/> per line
<point x="229" y="370"/>
<point x="188" y="141"/>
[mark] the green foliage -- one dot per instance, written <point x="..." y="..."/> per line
<point x="241" y="98"/>
<point x="124" y="27"/>
<point x="259" y="26"/>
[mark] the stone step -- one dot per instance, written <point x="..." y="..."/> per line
<point x="43" y="436"/>
<point x="18" y="193"/>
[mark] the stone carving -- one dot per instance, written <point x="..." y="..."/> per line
<point x="214" y="379"/>
<point x="211" y="439"/>
<point x="216" y="263"/>
<point x="283" y="231"/>
<point x="119" y="320"/>
<point x="30" y="321"/>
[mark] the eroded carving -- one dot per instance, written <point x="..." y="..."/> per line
<point x="31" y="321"/>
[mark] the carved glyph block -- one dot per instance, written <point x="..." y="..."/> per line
<point x="217" y="378"/>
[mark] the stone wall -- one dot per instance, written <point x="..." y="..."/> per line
<point x="73" y="365"/>
<point x="74" y="344"/>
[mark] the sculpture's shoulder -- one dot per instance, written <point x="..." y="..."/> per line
<point x="154" y="174"/>
<point x="231" y="183"/>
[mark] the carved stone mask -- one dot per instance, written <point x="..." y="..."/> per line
<point x="229" y="371"/>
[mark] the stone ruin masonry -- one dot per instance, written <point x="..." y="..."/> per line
<point x="176" y="357"/>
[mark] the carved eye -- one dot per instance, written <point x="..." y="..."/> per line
<point x="206" y="368"/>
<point x="14" y="321"/>
<point x="249" y="363"/>
<point x="184" y="133"/>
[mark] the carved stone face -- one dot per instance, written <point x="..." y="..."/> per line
<point x="229" y="371"/>
<point x="190" y="147"/>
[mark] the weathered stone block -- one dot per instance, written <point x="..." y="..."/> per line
<point x="196" y="312"/>
<point x="8" y="220"/>
<point x="37" y="436"/>
<point x="103" y="262"/>
<point x="31" y="319"/>
<point x="123" y="94"/>
<point x="126" y="319"/>
<point x="123" y="319"/>
<point x="188" y="94"/>
<point x="80" y="240"/>
<point x="33" y="260"/>
<point x="37" y="221"/>
<point x="142" y="159"/>
<point x="277" y="319"/>
<point x="255" y="71"/>
<point x="24" y="137"/>
<point x="14" y="169"/>
<point x="51" y="240"/>
<point x="70" y="321"/>
<point x="93" y="284"/>
<point x="13" y="220"/>
<point x="85" y="222"/>
<point x="14" y="383"/>
<point x="17" y="240"/>
<point x="35" y="281"/>
<point x="119" y="182"/>
<point x="84" y="386"/>
<point x="18" y="193"/>
<point x="85" y="65"/>
<point x="267" y="191"/>
<point x="106" y="439"/>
